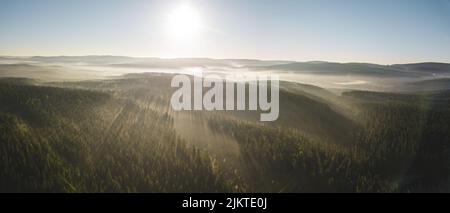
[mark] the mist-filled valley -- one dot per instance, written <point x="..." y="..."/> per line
<point x="105" y="124"/>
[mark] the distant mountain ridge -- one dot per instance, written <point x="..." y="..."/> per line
<point x="364" y="76"/>
<point x="362" y="68"/>
<point x="248" y="63"/>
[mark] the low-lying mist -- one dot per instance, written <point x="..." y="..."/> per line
<point x="335" y="76"/>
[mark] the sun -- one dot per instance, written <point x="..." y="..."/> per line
<point x="183" y="21"/>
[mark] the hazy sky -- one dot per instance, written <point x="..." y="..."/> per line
<point x="378" y="31"/>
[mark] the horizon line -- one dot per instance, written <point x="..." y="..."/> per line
<point x="213" y="58"/>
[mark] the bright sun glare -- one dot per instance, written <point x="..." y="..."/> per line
<point x="183" y="21"/>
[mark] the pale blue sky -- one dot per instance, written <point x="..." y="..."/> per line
<point x="378" y="31"/>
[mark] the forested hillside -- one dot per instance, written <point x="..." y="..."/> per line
<point x="121" y="135"/>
